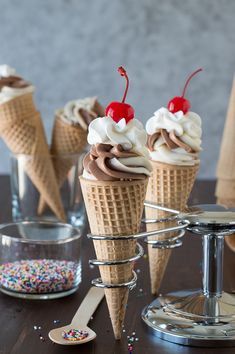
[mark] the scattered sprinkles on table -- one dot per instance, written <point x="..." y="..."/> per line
<point x="130" y="342"/>
<point x="74" y="335"/>
<point x="38" y="276"/>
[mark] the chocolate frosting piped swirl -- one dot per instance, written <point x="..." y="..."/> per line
<point x="88" y="117"/>
<point x="171" y="140"/>
<point x="97" y="163"/>
<point x="81" y="112"/>
<point x="13" y="82"/>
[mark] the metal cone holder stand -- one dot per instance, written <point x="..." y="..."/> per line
<point x="205" y="317"/>
<point x="199" y="318"/>
<point x="168" y="243"/>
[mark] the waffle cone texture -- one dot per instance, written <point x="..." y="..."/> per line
<point x="115" y="208"/>
<point x="67" y="139"/>
<point x="225" y="186"/>
<point x="170" y="186"/>
<point x="22" y="130"/>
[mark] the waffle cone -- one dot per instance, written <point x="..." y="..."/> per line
<point x="115" y="208"/>
<point x="225" y="187"/>
<point x="22" y="130"/>
<point x="226" y="163"/>
<point x="67" y="139"/>
<point x="229" y="203"/>
<point x="230" y="240"/>
<point x="169" y="185"/>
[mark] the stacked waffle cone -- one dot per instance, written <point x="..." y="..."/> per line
<point x="170" y="186"/>
<point x="67" y="139"/>
<point x="115" y="208"/>
<point x="225" y="187"/>
<point x="22" y="130"/>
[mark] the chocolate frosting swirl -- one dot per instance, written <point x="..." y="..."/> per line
<point x="97" y="163"/>
<point x="81" y="112"/>
<point x="88" y="116"/>
<point x="13" y="82"/>
<point x="171" y="140"/>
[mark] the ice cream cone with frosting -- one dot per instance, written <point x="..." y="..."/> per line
<point x="174" y="141"/>
<point x="114" y="184"/>
<point x="22" y="130"/>
<point x="69" y="136"/>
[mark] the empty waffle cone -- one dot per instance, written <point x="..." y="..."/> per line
<point x="67" y="139"/>
<point x="225" y="186"/>
<point x="115" y="208"/>
<point x="170" y="186"/>
<point x="229" y="203"/>
<point x="22" y="130"/>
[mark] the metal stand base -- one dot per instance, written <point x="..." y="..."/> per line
<point x="207" y="317"/>
<point x="192" y="318"/>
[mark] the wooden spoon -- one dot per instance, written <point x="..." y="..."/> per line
<point x="80" y="319"/>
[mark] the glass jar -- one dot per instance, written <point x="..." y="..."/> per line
<point x="39" y="260"/>
<point x="29" y="185"/>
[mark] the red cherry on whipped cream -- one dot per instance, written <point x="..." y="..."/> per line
<point x="119" y="110"/>
<point x="180" y="103"/>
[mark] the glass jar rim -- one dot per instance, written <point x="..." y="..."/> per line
<point x="76" y="236"/>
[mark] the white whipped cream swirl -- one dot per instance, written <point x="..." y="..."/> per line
<point x="71" y="112"/>
<point x="185" y="126"/>
<point x="8" y="93"/>
<point x="131" y="136"/>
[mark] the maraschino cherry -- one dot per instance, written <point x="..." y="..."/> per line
<point x="180" y="103"/>
<point x="119" y="110"/>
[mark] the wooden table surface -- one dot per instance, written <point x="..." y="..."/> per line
<point x="17" y="317"/>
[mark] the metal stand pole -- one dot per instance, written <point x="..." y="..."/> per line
<point x="213" y="251"/>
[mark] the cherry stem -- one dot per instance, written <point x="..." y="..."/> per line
<point x="122" y="72"/>
<point x="189" y="78"/>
